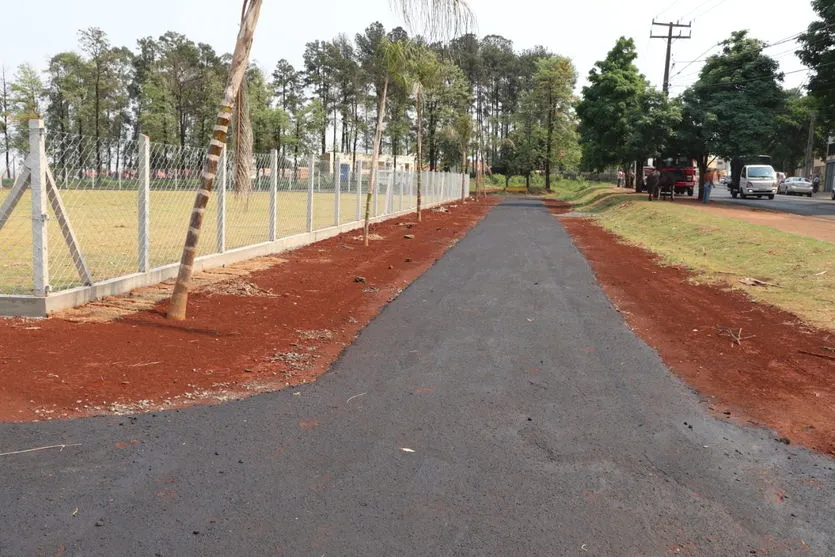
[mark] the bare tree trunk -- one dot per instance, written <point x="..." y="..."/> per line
<point x="419" y="164"/>
<point x="237" y="69"/>
<point x="375" y="157"/>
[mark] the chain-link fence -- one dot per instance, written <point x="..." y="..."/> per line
<point x="117" y="208"/>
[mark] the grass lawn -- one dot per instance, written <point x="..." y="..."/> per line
<point x="105" y="223"/>
<point x="723" y="250"/>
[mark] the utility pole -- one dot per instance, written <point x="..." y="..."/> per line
<point x="669" y="36"/>
<point x="810" y="162"/>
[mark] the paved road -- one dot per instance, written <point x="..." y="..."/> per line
<point x="819" y="206"/>
<point x="540" y="425"/>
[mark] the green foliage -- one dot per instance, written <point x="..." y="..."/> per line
<point x="611" y="106"/>
<point x="479" y="98"/>
<point x="817" y="51"/>
<point x="791" y="130"/>
<point x="730" y="110"/>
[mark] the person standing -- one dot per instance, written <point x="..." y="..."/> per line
<point x="652" y="184"/>
<point x="710" y="181"/>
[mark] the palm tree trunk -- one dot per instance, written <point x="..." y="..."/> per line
<point x="419" y="164"/>
<point x="237" y="69"/>
<point x="375" y="156"/>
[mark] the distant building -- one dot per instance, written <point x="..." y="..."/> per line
<point x="405" y="163"/>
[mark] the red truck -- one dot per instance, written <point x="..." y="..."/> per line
<point x="683" y="170"/>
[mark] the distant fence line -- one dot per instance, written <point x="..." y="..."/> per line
<point x="84" y="224"/>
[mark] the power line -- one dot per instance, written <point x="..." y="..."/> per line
<point x="709" y="10"/>
<point x="668" y="8"/>
<point x="699" y="7"/>
<point x="697" y="59"/>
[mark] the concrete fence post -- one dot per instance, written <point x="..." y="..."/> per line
<point x="143" y="201"/>
<point x="37" y="184"/>
<point x="390" y="191"/>
<point x="222" y="177"/>
<point x="274" y="195"/>
<point x="337" y="188"/>
<point x="376" y="187"/>
<point x="359" y="190"/>
<point x="400" y="185"/>
<point x="311" y="182"/>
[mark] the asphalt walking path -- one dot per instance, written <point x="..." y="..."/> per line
<point x="500" y="406"/>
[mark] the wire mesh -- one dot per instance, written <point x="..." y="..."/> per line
<point x="97" y="182"/>
<point x="175" y="177"/>
<point x="100" y="185"/>
<point x="247" y="212"/>
<point x="292" y="197"/>
<point x="15" y="242"/>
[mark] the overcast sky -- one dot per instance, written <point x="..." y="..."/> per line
<point x="33" y="30"/>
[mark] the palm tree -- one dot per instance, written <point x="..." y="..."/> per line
<point x="437" y="18"/>
<point x="237" y="70"/>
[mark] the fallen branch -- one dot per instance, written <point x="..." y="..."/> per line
<point x="748" y="281"/>
<point x="62" y="447"/>
<point x="824" y="356"/>
<point x="735" y="335"/>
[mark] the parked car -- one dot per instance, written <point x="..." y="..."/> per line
<point x="795" y="185"/>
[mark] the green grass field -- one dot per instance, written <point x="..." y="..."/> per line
<point x="723" y="250"/>
<point x="105" y="223"/>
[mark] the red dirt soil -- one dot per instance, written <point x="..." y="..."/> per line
<point x="303" y="313"/>
<point x="766" y="380"/>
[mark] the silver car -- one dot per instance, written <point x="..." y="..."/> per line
<point x="795" y="186"/>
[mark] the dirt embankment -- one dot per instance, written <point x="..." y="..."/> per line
<point x="248" y="331"/>
<point x="754" y="363"/>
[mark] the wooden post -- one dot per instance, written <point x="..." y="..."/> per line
<point x="274" y="196"/>
<point x="310" y="184"/>
<point x="143" y="203"/>
<point x="337" y="188"/>
<point x="222" y="177"/>
<point x="37" y="181"/>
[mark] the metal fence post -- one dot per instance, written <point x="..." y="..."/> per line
<point x="144" y="198"/>
<point x="359" y="190"/>
<point x="37" y="181"/>
<point x="337" y="188"/>
<point x="310" y="184"/>
<point x="274" y="195"/>
<point x="221" y="202"/>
